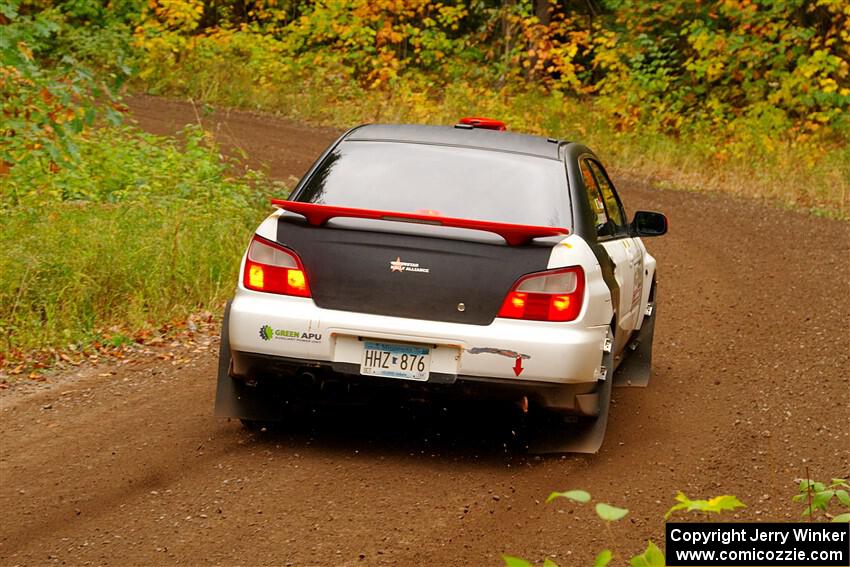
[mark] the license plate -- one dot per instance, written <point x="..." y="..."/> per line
<point x="408" y="362"/>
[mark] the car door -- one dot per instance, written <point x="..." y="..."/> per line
<point x="614" y="235"/>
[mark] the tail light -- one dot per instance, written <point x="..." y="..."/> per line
<point x="274" y="269"/>
<point x="555" y="295"/>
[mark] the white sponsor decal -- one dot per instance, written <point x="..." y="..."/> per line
<point x="398" y="266"/>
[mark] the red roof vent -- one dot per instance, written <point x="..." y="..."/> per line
<point x="486" y="123"/>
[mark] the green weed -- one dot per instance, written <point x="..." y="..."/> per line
<point x="818" y="496"/>
<point x="143" y="230"/>
<point x="652" y="556"/>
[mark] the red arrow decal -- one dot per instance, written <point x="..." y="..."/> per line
<point x="518" y="366"/>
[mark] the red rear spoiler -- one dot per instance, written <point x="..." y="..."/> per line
<point x="514" y="234"/>
<point x="485" y="123"/>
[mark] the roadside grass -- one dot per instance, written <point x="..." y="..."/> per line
<point x="142" y="230"/>
<point x="813" y="177"/>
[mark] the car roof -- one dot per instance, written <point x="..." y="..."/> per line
<point x="460" y="137"/>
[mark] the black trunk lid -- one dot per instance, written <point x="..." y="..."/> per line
<point x="409" y="275"/>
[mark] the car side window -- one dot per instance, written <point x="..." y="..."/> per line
<point x="594" y="197"/>
<point x="613" y="206"/>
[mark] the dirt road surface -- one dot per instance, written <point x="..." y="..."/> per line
<point x="125" y="465"/>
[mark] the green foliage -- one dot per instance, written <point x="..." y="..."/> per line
<point x="116" y="340"/>
<point x="574" y="495"/>
<point x="377" y="40"/>
<point x="511" y="561"/>
<point x="746" y="67"/>
<point x="334" y="63"/>
<point x="610" y="513"/>
<point x="738" y="96"/>
<point x="714" y="505"/>
<point x="819" y="496"/>
<point x="816" y="496"/>
<point x="670" y="65"/>
<point x="603" y="559"/>
<point x="142" y="230"/>
<point x="748" y="71"/>
<point x="652" y="557"/>
<point x="46" y="103"/>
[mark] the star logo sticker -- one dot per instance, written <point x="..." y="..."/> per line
<point x="398" y="266"/>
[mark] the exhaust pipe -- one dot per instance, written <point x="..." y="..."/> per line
<point x="522" y="404"/>
<point x="306" y="381"/>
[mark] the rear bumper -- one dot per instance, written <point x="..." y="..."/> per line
<point x="317" y="381"/>
<point x="295" y="329"/>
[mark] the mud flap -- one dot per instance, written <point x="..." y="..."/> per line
<point x="234" y="398"/>
<point x="636" y="368"/>
<point x="585" y="435"/>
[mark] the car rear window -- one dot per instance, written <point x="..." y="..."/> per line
<point x="442" y="180"/>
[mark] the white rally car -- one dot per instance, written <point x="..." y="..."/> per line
<point x="460" y="261"/>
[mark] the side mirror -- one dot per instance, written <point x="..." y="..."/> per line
<point x="647" y="223"/>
